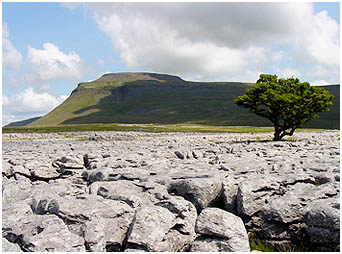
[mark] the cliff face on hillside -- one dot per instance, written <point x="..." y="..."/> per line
<point x="164" y="99"/>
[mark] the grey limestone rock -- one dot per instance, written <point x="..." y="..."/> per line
<point x="94" y="236"/>
<point x="229" y="191"/>
<point x="255" y="192"/>
<point x="210" y="244"/>
<point x="179" y="155"/>
<point x="101" y="234"/>
<point x="69" y="163"/>
<point x="150" y="228"/>
<point x="271" y="230"/>
<point x="199" y="191"/>
<point x="221" y="226"/>
<point x="97" y="175"/>
<point x="46" y="238"/>
<point x="9" y="247"/>
<point x="182" y="234"/>
<point x="7" y="169"/>
<point x="41" y="170"/>
<point x="122" y="190"/>
<point x="323" y="220"/>
<point x="16" y="220"/>
<point x="13" y="191"/>
<point x="21" y="170"/>
<point x="184" y="211"/>
<point x="115" y="218"/>
<point x="130" y="192"/>
<point x="37" y="232"/>
<point x="293" y="205"/>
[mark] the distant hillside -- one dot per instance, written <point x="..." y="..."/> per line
<point x="164" y="99"/>
<point x="23" y="122"/>
<point x="331" y="119"/>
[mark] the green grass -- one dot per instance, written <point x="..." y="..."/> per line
<point x="259" y="246"/>
<point x="141" y="127"/>
<point x="133" y="127"/>
<point x="264" y="247"/>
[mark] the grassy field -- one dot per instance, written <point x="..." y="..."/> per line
<point x="141" y="127"/>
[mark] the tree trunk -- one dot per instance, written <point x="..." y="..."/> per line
<point x="280" y="132"/>
<point x="277" y="136"/>
<point x="277" y="132"/>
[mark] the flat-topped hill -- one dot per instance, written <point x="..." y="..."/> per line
<point x="163" y="99"/>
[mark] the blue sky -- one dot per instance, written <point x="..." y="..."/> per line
<point x="48" y="48"/>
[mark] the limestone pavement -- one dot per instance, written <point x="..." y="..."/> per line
<point x="139" y="191"/>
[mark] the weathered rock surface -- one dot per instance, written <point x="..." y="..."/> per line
<point x="200" y="191"/>
<point x="323" y="220"/>
<point x="226" y="232"/>
<point x="9" y="247"/>
<point x="136" y="191"/>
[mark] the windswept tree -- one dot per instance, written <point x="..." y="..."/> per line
<point x="287" y="103"/>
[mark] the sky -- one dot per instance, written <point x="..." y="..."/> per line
<point x="48" y="48"/>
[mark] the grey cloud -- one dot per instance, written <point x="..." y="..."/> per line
<point x="236" y="25"/>
<point x="221" y="39"/>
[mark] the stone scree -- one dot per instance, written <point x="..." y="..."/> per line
<point x="135" y="191"/>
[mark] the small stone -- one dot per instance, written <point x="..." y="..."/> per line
<point x="179" y="155"/>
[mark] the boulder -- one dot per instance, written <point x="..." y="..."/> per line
<point x="69" y="163"/>
<point x="179" y="155"/>
<point x="37" y="232"/>
<point x="323" y="220"/>
<point x="62" y="187"/>
<point x="211" y="244"/>
<point x="94" y="236"/>
<point x="16" y="220"/>
<point x="184" y="211"/>
<point x="21" y="170"/>
<point x="254" y="193"/>
<point x="122" y="190"/>
<point x="150" y="228"/>
<point x="182" y="234"/>
<point x="104" y="234"/>
<point x="229" y="191"/>
<point x="274" y="231"/>
<point x="202" y="192"/>
<point x="52" y="235"/>
<point x="13" y="191"/>
<point x="9" y="247"/>
<point x="77" y="212"/>
<point x="216" y="225"/>
<point x="41" y="170"/>
<point x="115" y="218"/>
<point x="7" y="169"/>
<point x="97" y="175"/>
<point x="293" y="205"/>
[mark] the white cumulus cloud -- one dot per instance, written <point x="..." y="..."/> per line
<point x="287" y="73"/>
<point x="319" y="83"/>
<point x="28" y="103"/>
<point x="51" y="64"/>
<point x="11" y="57"/>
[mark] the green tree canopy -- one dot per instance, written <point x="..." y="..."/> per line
<point x="287" y="103"/>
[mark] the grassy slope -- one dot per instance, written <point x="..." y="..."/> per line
<point x="331" y="119"/>
<point x="23" y="122"/>
<point x="142" y="99"/>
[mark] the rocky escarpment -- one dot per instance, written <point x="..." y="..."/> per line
<point x="128" y="191"/>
